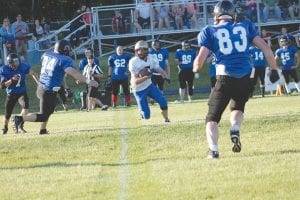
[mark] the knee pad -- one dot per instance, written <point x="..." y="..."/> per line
<point x="42" y="117"/>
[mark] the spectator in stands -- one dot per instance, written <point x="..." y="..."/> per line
<point x="185" y="57"/>
<point x="287" y="8"/>
<point x="38" y="30"/>
<point x="266" y="36"/>
<point x="250" y="10"/>
<point x="142" y="15"/>
<point x="177" y="12"/>
<point x="161" y="9"/>
<point x="190" y="14"/>
<point x="87" y="19"/>
<point x="21" y="30"/>
<point x="46" y="26"/>
<point x="75" y="25"/>
<point x="7" y="32"/>
<point x="294" y="8"/>
<point x="118" y="72"/>
<point x="271" y="5"/>
<point x="118" y="23"/>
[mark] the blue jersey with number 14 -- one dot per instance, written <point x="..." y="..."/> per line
<point x="258" y="57"/>
<point x="230" y="42"/>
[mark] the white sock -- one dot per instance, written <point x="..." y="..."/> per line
<point x="235" y="127"/>
<point x="213" y="147"/>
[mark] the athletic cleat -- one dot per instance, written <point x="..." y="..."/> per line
<point x="236" y="143"/>
<point x="167" y="119"/>
<point x="17" y="122"/>
<point x="5" y="129"/>
<point x="43" y="132"/>
<point x="21" y="129"/>
<point x="104" y="107"/>
<point x="212" y="154"/>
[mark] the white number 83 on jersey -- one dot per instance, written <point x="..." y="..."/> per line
<point x="225" y="43"/>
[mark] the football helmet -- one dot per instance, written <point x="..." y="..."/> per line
<point x="141" y="49"/>
<point x="88" y="52"/>
<point x="284" y="41"/>
<point x="13" y="61"/>
<point x="62" y="47"/>
<point x="156" y="44"/>
<point x="186" y="45"/>
<point x="224" y="10"/>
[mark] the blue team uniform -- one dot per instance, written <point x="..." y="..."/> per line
<point x="287" y="57"/>
<point x="258" y="57"/>
<point x="53" y="69"/>
<point x="186" y="57"/>
<point x="7" y="73"/>
<point x="162" y="55"/>
<point x="119" y="65"/>
<point x="83" y="62"/>
<point x="230" y="43"/>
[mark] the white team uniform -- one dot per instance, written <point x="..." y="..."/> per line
<point x="136" y="65"/>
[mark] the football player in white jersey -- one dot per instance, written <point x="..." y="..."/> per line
<point x="141" y="67"/>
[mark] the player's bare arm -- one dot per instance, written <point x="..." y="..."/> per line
<point x="200" y="59"/>
<point x="260" y="43"/>
<point x="82" y="79"/>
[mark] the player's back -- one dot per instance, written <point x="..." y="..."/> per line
<point x="230" y="43"/>
<point x="53" y="69"/>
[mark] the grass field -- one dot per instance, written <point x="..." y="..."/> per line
<point x="113" y="155"/>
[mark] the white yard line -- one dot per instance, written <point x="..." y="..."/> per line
<point x="124" y="167"/>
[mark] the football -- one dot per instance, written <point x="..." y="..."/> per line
<point x="144" y="72"/>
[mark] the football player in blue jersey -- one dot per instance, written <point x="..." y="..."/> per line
<point x="259" y="63"/>
<point x="229" y="39"/>
<point x="55" y="64"/>
<point x="12" y="77"/>
<point x="185" y="57"/>
<point x="290" y="60"/>
<point x="118" y="72"/>
<point x="162" y="55"/>
<point x="211" y="59"/>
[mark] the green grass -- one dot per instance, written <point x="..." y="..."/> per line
<point x="113" y="155"/>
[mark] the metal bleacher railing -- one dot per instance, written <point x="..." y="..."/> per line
<point x="103" y="38"/>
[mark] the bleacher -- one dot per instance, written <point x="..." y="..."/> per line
<point x="104" y="40"/>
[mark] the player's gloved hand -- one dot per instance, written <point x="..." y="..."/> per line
<point x="168" y="80"/>
<point x="274" y="76"/>
<point x="14" y="80"/>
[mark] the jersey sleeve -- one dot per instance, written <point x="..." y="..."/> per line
<point x="110" y="61"/>
<point x="252" y="31"/>
<point x="204" y="38"/>
<point x="277" y="52"/>
<point x="177" y="55"/>
<point x="66" y="63"/>
<point x="26" y="68"/>
<point x="132" y="68"/>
